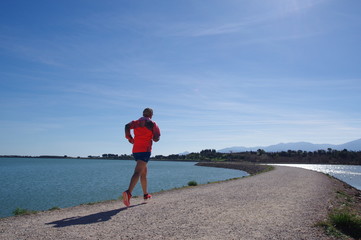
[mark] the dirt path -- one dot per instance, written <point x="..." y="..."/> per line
<point x="281" y="204"/>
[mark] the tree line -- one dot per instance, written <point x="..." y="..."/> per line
<point x="329" y="156"/>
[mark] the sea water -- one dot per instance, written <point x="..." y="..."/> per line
<point x="41" y="184"/>
<point x="350" y="174"/>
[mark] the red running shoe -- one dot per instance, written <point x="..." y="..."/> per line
<point x="147" y="196"/>
<point x="126" y="198"/>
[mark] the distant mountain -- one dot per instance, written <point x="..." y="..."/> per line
<point x="352" y="146"/>
<point x="238" y="149"/>
<point x="304" y="146"/>
<point x="184" y="153"/>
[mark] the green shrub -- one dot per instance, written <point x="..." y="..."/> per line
<point x="54" y="208"/>
<point x="347" y="223"/>
<point x="192" y="183"/>
<point x="22" y="211"/>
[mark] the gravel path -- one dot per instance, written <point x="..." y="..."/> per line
<point x="281" y="204"/>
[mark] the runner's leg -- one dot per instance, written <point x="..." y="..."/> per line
<point x="143" y="180"/>
<point x="138" y="171"/>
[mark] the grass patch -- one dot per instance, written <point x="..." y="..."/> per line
<point x="250" y="168"/>
<point x="331" y="230"/>
<point x="344" y="221"/>
<point x="192" y="183"/>
<point x="218" y="160"/>
<point x="90" y="203"/>
<point x="54" y="208"/>
<point x="347" y="199"/>
<point x="23" y="211"/>
<point x="342" y="224"/>
<point x="231" y="179"/>
<point x="267" y="169"/>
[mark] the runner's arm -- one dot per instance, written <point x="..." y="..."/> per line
<point x="128" y="135"/>
<point x="156" y="133"/>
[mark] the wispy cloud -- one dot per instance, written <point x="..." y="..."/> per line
<point x="276" y="11"/>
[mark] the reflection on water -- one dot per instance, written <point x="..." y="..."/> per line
<point x="350" y="174"/>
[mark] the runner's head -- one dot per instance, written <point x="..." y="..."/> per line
<point x="148" y="112"/>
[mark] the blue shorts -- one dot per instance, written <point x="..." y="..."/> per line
<point x="143" y="156"/>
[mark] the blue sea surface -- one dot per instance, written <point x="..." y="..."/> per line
<point x="40" y="183"/>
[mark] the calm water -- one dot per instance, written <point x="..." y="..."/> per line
<point x="40" y="184"/>
<point x="350" y="174"/>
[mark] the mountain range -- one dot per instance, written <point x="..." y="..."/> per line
<point x="304" y="146"/>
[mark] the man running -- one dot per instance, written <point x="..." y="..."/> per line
<point x="145" y="132"/>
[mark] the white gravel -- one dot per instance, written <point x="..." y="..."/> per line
<point x="281" y="204"/>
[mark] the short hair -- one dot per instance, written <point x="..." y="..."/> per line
<point x="148" y="112"/>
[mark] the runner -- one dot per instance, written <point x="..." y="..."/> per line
<point x="145" y="132"/>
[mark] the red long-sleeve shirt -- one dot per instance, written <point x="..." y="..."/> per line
<point x="145" y="132"/>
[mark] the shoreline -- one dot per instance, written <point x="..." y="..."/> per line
<point x="248" y="167"/>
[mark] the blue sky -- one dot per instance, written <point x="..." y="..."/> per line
<point x="217" y="73"/>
